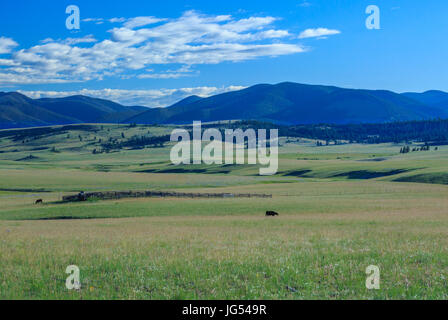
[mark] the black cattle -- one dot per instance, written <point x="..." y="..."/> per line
<point x="271" y="214"/>
<point x="39" y="201"/>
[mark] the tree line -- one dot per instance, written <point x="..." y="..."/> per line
<point x="430" y="131"/>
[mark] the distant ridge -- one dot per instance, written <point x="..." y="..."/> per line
<point x="284" y="103"/>
<point x="434" y="98"/>
<point x="293" y="103"/>
<point x="17" y="110"/>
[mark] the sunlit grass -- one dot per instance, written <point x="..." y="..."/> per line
<point x="340" y="207"/>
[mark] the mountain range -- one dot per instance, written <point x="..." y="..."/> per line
<point x="17" y="110"/>
<point x="284" y="103"/>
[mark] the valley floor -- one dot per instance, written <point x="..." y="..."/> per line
<point x="342" y="208"/>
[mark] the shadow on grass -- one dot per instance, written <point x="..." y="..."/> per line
<point x="365" y="174"/>
<point x="61" y="218"/>
<point x="434" y="178"/>
<point x="355" y="174"/>
<point x="23" y="190"/>
<point x="180" y="170"/>
<point x="297" y="173"/>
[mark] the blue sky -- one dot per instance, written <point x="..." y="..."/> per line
<point x="156" y="52"/>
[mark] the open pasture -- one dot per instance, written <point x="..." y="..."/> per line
<point x="342" y="208"/>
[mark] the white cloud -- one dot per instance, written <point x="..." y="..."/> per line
<point x="141" y="21"/>
<point x="86" y="39"/>
<point x="71" y="41"/>
<point x="6" y="62"/>
<point x="96" y="20"/>
<point x="6" y="45"/>
<point x="161" y="75"/>
<point x="192" y="39"/>
<point x="117" y="20"/>
<point x="150" y="98"/>
<point x="317" y="33"/>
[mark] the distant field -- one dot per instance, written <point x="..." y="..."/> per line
<point x="342" y="208"/>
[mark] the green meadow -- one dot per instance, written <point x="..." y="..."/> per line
<point x="342" y="208"/>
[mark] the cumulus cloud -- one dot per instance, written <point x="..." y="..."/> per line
<point x="318" y="33"/>
<point x="6" y="45"/>
<point x="143" y="42"/>
<point x="150" y="98"/>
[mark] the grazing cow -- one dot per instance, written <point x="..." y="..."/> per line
<point x="271" y="214"/>
<point x="39" y="201"/>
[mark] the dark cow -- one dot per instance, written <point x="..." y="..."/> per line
<point x="271" y="214"/>
<point x="39" y="201"/>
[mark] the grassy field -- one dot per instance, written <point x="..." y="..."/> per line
<point x="342" y="208"/>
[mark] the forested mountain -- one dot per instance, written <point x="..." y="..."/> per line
<point x="285" y="103"/>
<point x="293" y="103"/>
